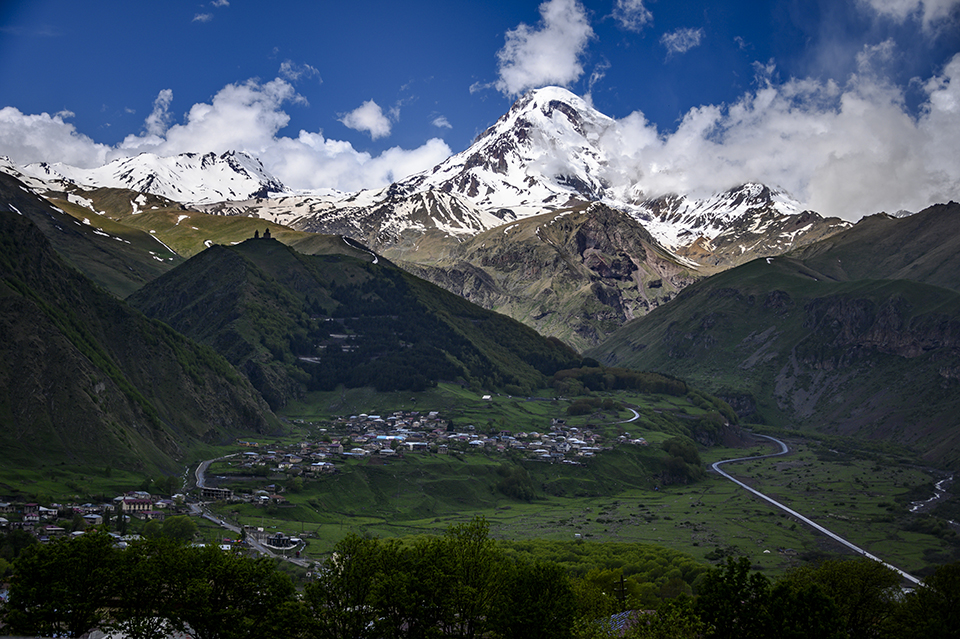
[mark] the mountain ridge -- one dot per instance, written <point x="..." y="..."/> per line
<point x="837" y="337"/>
<point x="87" y="378"/>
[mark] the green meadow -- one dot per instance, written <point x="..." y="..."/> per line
<point x="858" y="492"/>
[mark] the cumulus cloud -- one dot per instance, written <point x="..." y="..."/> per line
<point x="441" y="122"/>
<point x="45" y="138"/>
<point x="681" y="40"/>
<point x="368" y="117"/>
<point x="245" y="117"/>
<point x="631" y="14"/>
<point x="549" y="53"/>
<point x="847" y="151"/>
<point x="932" y="13"/>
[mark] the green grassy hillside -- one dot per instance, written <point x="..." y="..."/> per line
<point x="86" y="379"/>
<point x="924" y="247"/>
<point x="783" y="343"/>
<point x="117" y="257"/>
<point x="296" y="322"/>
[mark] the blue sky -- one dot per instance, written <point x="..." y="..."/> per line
<point x="355" y="94"/>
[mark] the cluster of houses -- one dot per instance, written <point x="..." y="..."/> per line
<point x="45" y="521"/>
<point x="405" y="432"/>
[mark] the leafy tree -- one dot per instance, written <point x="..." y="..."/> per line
<point x="801" y="611"/>
<point x="339" y="600"/>
<point x="515" y="482"/>
<point x="534" y="601"/>
<point x="179" y="528"/>
<point x="62" y="588"/>
<point x="146" y="601"/>
<point x="223" y="595"/>
<point x="733" y="601"/>
<point x="408" y="593"/>
<point x="152" y="529"/>
<point x="675" y="619"/>
<point x="864" y="590"/>
<point x="932" y="609"/>
<point x="472" y="561"/>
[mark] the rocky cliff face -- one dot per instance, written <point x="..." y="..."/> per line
<point x="576" y="275"/>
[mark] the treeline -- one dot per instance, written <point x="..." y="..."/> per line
<point x="463" y="584"/>
<point x="600" y="378"/>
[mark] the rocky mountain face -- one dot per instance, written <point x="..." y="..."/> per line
<point x="578" y="274"/>
<point x="840" y="336"/>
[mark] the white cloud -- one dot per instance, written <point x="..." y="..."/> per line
<point x="244" y="117"/>
<point x="932" y="13"/>
<point x="846" y="150"/>
<point x="46" y="138"/>
<point x="631" y="14"/>
<point x="368" y="117"/>
<point x="533" y="57"/>
<point x="221" y="3"/>
<point x="203" y="17"/>
<point x="241" y="116"/>
<point x="441" y="122"/>
<point x="292" y="71"/>
<point x="681" y="40"/>
<point x="159" y="119"/>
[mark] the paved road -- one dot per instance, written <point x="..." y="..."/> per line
<point x="783" y="451"/>
<point x="198" y="510"/>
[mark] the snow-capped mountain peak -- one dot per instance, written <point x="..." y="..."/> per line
<point x="188" y="177"/>
<point x="541" y="154"/>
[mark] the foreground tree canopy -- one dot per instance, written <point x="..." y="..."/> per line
<point x="463" y="584"/>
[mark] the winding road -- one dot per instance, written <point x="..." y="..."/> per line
<point x="784" y="449"/>
<point x="253" y="542"/>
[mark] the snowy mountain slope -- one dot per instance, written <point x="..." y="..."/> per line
<point x="541" y="155"/>
<point x="549" y="152"/>
<point x="379" y="218"/>
<point x="185" y="178"/>
<point x="40" y="183"/>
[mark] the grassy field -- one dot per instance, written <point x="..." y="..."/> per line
<point x="861" y="494"/>
<point x="708" y="520"/>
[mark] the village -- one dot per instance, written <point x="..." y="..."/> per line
<point x="406" y="432"/>
<point x="375" y="437"/>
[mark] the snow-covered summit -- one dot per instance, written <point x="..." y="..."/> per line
<point x="542" y="153"/>
<point x="187" y="178"/>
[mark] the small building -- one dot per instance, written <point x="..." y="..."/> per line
<point x="93" y="519"/>
<point x="216" y="494"/>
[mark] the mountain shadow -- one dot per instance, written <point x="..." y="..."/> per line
<point x="821" y="340"/>
<point x="294" y="323"/>
<point x="86" y="379"/>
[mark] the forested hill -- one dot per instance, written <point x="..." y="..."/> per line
<point x="296" y="322"/>
<point x="85" y="378"/>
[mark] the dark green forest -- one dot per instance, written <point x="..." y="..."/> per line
<point x="461" y="584"/>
